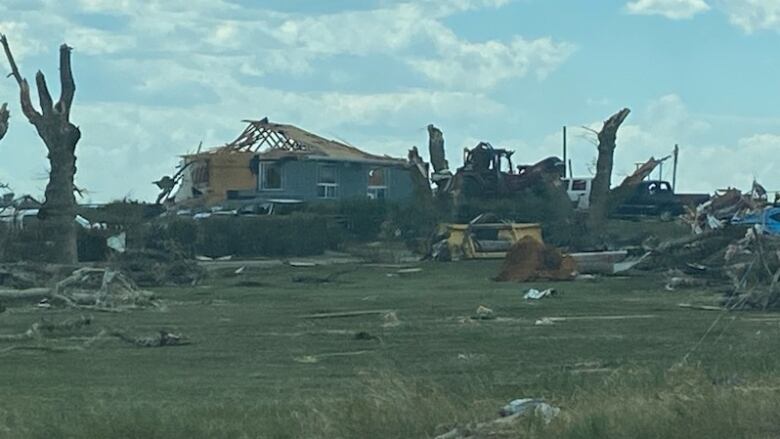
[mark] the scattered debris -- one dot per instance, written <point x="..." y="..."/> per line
<point x="314" y="279"/>
<point x="311" y="359"/>
<point x="52" y="336"/>
<point x="677" y="280"/>
<point x="391" y="320"/>
<point x="483" y="313"/>
<point x="118" y="243"/>
<point x="701" y="307"/>
<point x="534" y="294"/>
<point x="529" y="260"/>
<point x="515" y="411"/>
<point x="346" y="314"/>
<point x="527" y="406"/>
<point x="551" y="320"/>
<point x="161" y="339"/>
<point x="409" y="270"/>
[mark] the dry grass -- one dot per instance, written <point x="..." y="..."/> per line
<point x="434" y="368"/>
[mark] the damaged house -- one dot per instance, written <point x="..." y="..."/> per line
<point x="277" y="161"/>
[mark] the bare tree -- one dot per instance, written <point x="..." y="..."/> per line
<point x="599" y="195"/>
<point x="60" y="136"/>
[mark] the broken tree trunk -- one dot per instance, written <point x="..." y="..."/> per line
<point x="599" y="195"/>
<point x="436" y="149"/>
<point x="619" y="194"/>
<point x="60" y="137"/>
<point x="4" y="115"/>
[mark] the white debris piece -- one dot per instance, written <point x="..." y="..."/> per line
<point x="534" y="294"/>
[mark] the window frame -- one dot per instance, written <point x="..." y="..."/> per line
<point x="330" y="190"/>
<point x="262" y="174"/>
<point x="372" y="191"/>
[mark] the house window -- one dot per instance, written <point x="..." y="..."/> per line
<point x="200" y="172"/>
<point x="376" y="184"/>
<point x="327" y="186"/>
<point x="270" y="176"/>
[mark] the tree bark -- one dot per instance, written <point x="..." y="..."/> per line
<point x="60" y="136"/>
<point x="599" y="194"/>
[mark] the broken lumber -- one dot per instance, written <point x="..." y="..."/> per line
<point x="346" y="314"/>
<point x="700" y="307"/>
<point x="27" y="295"/>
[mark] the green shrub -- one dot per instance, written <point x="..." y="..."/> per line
<point x="288" y="235"/>
<point x="361" y="218"/>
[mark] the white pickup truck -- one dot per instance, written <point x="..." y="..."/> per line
<point x="578" y="190"/>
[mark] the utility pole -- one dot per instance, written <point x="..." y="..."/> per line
<point x="564" y="152"/>
<point x="674" y="167"/>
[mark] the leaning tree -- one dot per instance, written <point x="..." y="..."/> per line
<point x="600" y="193"/>
<point x="53" y="124"/>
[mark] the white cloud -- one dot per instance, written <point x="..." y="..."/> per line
<point x="484" y="65"/>
<point x="671" y="9"/>
<point x="98" y="42"/>
<point x="20" y="40"/>
<point x="450" y="60"/>
<point x="753" y="15"/>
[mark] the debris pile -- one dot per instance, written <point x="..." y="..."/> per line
<point x="733" y="247"/>
<point x="529" y="259"/>
<point x="753" y="267"/>
<point x="725" y="206"/>
<point x="149" y="268"/>
<point x="101" y="288"/>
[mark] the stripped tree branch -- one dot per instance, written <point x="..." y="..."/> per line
<point x="67" y="82"/>
<point x="44" y="97"/>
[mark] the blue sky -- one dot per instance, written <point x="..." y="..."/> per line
<point x="154" y="78"/>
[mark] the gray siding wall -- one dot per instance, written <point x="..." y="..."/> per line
<point x="299" y="180"/>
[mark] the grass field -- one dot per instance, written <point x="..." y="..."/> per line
<point x="620" y="359"/>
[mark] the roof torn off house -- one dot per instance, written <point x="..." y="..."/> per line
<point x="278" y="161"/>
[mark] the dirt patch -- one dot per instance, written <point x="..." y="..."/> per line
<point x="529" y="260"/>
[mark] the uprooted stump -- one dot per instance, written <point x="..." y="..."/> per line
<point x="102" y="288"/>
<point x="529" y="259"/>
